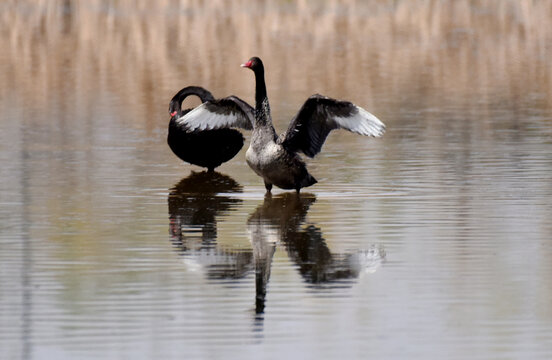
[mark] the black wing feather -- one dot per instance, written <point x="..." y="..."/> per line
<point x="311" y="126"/>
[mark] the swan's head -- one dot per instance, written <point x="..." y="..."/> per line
<point x="254" y="64"/>
<point x="174" y="108"/>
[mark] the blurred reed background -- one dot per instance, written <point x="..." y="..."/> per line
<point x="141" y="52"/>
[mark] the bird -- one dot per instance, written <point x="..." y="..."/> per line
<point x="275" y="158"/>
<point x="205" y="148"/>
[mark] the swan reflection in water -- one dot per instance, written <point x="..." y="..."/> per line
<point x="278" y="221"/>
<point x="194" y="204"/>
<point x="196" y="201"/>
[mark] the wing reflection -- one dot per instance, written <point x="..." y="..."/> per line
<point x="194" y="204"/>
<point x="278" y="221"/>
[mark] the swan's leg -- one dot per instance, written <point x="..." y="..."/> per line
<point x="268" y="186"/>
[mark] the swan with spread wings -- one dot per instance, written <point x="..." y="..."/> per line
<point x="275" y="158"/>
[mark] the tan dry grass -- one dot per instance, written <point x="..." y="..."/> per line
<point x="56" y="49"/>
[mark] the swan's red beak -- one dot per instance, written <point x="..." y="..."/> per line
<point x="173" y="113"/>
<point x="247" y="64"/>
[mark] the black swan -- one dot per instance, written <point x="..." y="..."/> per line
<point x="273" y="157"/>
<point x="205" y="148"/>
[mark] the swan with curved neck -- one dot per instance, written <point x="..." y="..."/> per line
<point x="205" y="148"/>
<point x="275" y="158"/>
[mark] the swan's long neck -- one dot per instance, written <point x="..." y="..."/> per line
<point x="262" y="108"/>
<point x="176" y="101"/>
<point x="260" y="87"/>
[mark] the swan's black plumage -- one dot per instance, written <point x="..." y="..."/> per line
<point x="205" y="148"/>
<point x="309" y="129"/>
<point x="273" y="157"/>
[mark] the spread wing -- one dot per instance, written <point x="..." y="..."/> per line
<point x="319" y="115"/>
<point x="227" y="112"/>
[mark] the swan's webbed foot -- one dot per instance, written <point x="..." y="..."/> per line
<point x="268" y="186"/>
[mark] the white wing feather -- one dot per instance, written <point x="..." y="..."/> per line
<point x="363" y="123"/>
<point x="202" y="119"/>
<point x="222" y="113"/>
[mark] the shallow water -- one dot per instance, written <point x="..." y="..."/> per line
<point x="431" y="242"/>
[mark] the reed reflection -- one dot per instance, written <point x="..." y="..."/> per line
<point x="194" y="204"/>
<point x="278" y="221"/>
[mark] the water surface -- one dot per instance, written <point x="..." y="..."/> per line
<point x="431" y="242"/>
